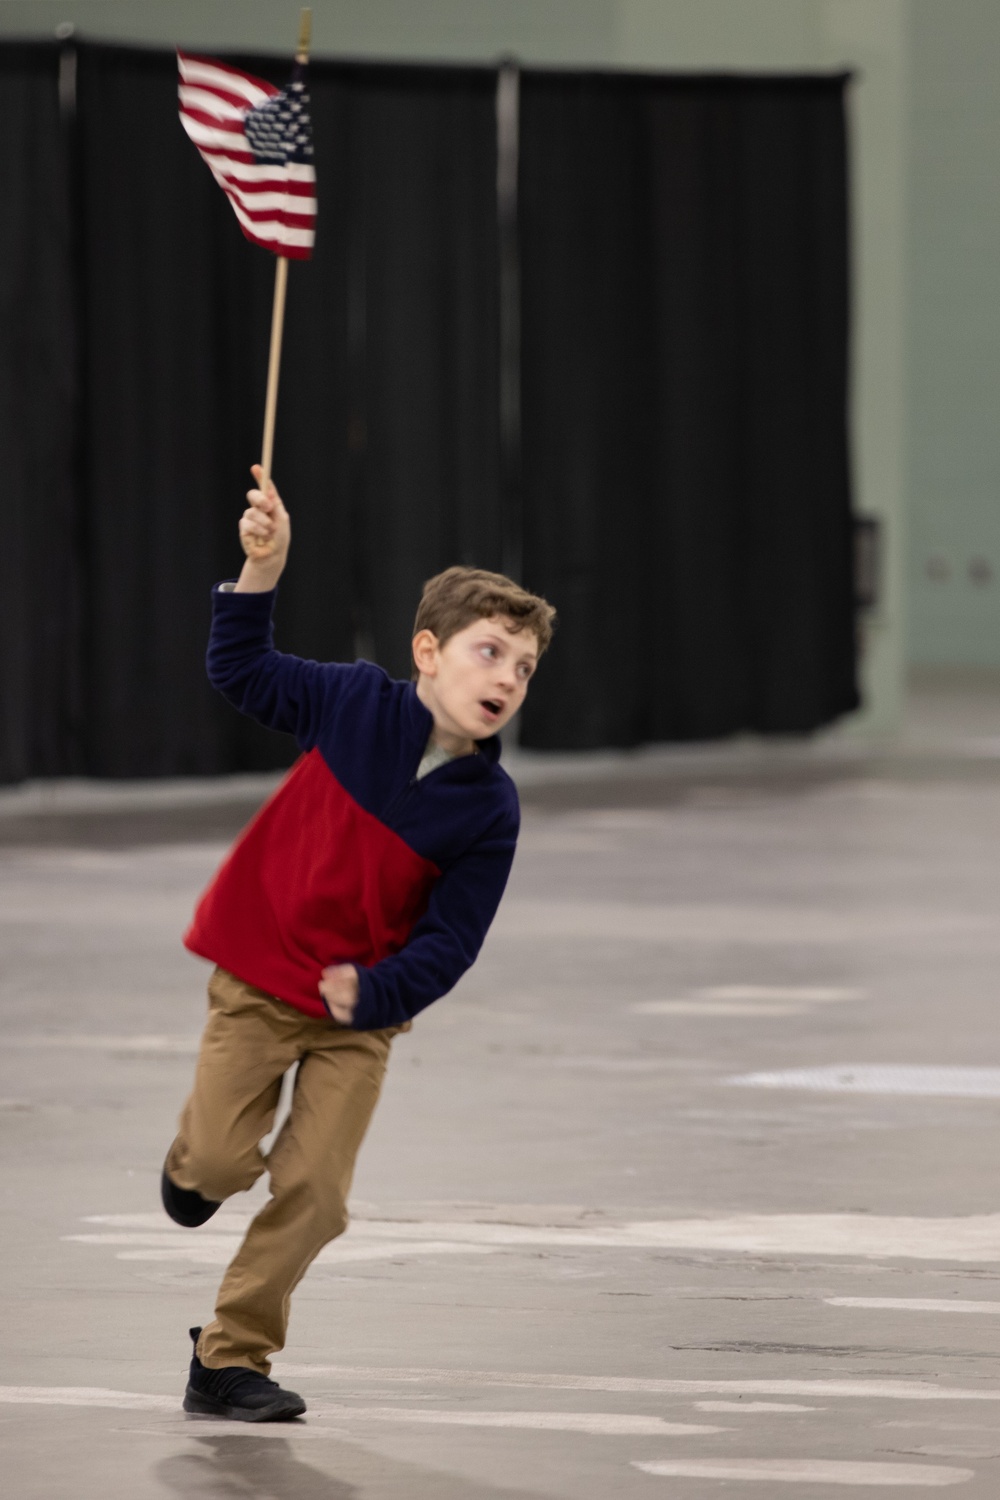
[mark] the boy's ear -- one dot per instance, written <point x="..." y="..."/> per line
<point x="425" y="645"/>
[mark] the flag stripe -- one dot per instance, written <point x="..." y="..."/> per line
<point x="228" y="80"/>
<point x="290" y="252"/>
<point x="281" y="209"/>
<point x="262" y="205"/>
<point x="273" y="228"/>
<point x="213" y="134"/>
<point x="303" y="192"/>
<point x="205" y="102"/>
<point x="246" y="170"/>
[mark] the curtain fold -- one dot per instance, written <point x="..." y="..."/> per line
<point x="684" y="285"/>
<point x="386" y="436"/>
<point x="40" y="658"/>
<point x="424" y="307"/>
<point x="177" y="319"/>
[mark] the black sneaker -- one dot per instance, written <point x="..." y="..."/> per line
<point x="237" y="1393"/>
<point x="184" y="1205"/>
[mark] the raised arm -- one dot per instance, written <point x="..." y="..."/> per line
<point x="283" y="692"/>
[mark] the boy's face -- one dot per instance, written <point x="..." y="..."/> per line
<point x="475" y="683"/>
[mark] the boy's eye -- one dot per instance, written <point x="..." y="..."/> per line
<point x="490" y="651"/>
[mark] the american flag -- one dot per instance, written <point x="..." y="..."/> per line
<point x="258" y="142"/>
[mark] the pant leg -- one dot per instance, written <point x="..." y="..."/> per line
<point x="249" y="1042"/>
<point x="311" y="1167"/>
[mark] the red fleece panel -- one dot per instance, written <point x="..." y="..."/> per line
<point x="313" y="880"/>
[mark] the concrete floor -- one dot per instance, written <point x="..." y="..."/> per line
<point x="584" y="1262"/>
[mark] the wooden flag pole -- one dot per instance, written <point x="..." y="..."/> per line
<point x="278" y="307"/>
<point x="273" y="367"/>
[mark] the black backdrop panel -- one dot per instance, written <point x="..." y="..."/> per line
<point x="425" y="287"/>
<point x="386" y="448"/>
<point x="178" y="312"/>
<point x="684" y="253"/>
<point x="39" y="655"/>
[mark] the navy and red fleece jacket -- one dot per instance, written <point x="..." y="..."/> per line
<point x="352" y="860"/>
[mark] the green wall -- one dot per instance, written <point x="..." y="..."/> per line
<point x="954" y="333"/>
<point x="572" y="31"/>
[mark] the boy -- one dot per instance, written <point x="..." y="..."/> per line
<point x="360" y="893"/>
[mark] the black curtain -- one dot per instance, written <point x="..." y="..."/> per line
<point x="424" y="293"/>
<point x="684" y="285"/>
<point x="40" y="693"/>
<point x="386" y="440"/>
<point x="684" y="348"/>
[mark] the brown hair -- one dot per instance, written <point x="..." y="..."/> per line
<point x="453" y="599"/>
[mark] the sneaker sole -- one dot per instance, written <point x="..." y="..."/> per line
<point x="283" y="1410"/>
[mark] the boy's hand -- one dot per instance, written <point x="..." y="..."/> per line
<point x="339" y="988"/>
<point x="265" y="535"/>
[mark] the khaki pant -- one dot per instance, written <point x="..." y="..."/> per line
<point x="250" y="1041"/>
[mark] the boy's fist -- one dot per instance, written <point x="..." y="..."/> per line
<point x="265" y="528"/>
<point x="339" y="988"/>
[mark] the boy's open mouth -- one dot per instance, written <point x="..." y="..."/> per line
<point x="492" y="706"/>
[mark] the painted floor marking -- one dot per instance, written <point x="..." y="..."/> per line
<point x="813" y="994"/>
<point x="219" y="1249"/>
<point x="716" y="1008"/>
<point x="972" y="1238"/>
<point x="754" y="1406"/>
<point x="595" y="1424"/>
<point x="748" y="1000"/>
<point x="919" y="1304"/>
<point x="865" y="1390"/>
<point x="161" y="1044"/>
<point x="229" y="1220"/>
<point x="881" y="1078"/>
<point x="807" y="1471"/>
<point x="84" y="1395"/>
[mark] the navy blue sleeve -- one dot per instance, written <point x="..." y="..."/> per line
<point x="446" y="940"/>
<point x="279" y="691"/>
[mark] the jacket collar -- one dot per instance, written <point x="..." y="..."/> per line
<point x="464" y="767"/>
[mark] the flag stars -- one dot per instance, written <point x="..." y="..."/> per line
<point x="278" y="131"/>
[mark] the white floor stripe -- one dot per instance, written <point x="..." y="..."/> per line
<point x="219" y="1249"/>
<point x="919" y="1304"/>
<point x="716" y="1008"/>
<point x="227" y="1220"/>
<point x="885" y="1078"/>
<point x="747" y="1000"/>
<point x="333" y="1255"/>
<point x="165" y="1238"/>
<point x="807" y="1471"/>
<point x="973" y="1238"/>
<point x="596" y="1424"/>
<point x="161" y="1044"/>
<point x="813" y="994"/>
<point x="754" y="1406"/>
<point x="865" y="1390"/>
<point x="84" y="1395"/>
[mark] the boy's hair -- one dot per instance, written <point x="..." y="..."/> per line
<point x="453" y="599"/>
